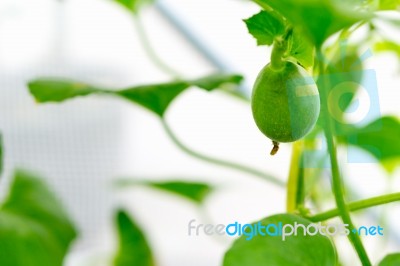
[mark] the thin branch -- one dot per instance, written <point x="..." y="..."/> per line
<point x="337" y="185"/>
<point x="219" y="162"/>
<point x="357" y="205"/>
<point x="150" y="50"/>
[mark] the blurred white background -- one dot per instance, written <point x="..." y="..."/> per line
<point x="82" y="145"/>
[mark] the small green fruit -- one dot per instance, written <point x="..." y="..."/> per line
<point x="285" y="102"/>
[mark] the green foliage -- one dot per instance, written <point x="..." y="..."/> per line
<point x="297" y="29"/>
<point x="133" y="246"/>
<point x="345" y="59"/>
<point x="391" y="260"/>
<point x="154" y="97"/>
<point x="297" y="250"/>
<point x="318" y="19"/>
<point x="1" y="154"/>
<point x="133" y="5"/>
<point x="56" y="90"/>
<point x="194" y="191"/>
<point x="389" y="4"/>
<point x="214" y="81"/>
<point x="380" y="138"/>
<point x="34" y="229"/>
<point x="345" y="66"/>
<point x="388" y="46"/>
<point x="301" y="49"/>
<point x="265" y="27"/>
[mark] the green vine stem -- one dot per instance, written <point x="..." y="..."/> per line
<point x="357" y="205"/>
<point x="216" y="161"/>
<point x="337" y="184"/>
<point x="279" y="49"/>
<point x="150" y="50"/>
<point x="277" y="53"/>
<point x="293" y="188"/>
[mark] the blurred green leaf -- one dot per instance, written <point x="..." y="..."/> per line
<point x="57" y="90"/>
<point x="391" y="165"/>
<point x="388" y="46"/>
<point x="1" y="154"/>
<point x="391" y="260"/>
<point x="297" y="250"/>
<point x="190" y="190"/>
<point x="158" y="97"/>
<point x="380" y="138"/>
<point x="133" y="5"/>
<point x="228" y="84"/>
<point x="133" y="246"/>
<point x="214" y="81"/>
<point x="345" y="66"/>
<point x="301" y="49"/>
<point x="34" y="229"/>
<point x="265" y="27"/>
<point x="319" y="19"/>
<point x="154" y="97"/>
<point x="345" y="59"/>
<point x="194" y="191"/>
<point x="389" y="4"/>
<point x="343" y="77"/>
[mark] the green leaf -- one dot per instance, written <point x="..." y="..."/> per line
<point x="190" y="190"/>
<point x="158" y="97"/>
<point x="57" y="90"/>
<point x="133" y="246"/>
<point x="1" y="154"/>
<point x="214" y="81"/>
<point x="380" y="138"/>
<point x="388" y="46"/>
<point x="344" y="58"/>
<point x="154" y="97"/>
<point x="133" y="5"/>
<point x="194" y="191"/>
<point x="343" y="75"/>
<point x="318" y="19"/>
<point x="391" y="260"/>
<point x="34" y="229"/>
<point x="265" y="27"/>
<point x="228" y="84"/>
<point x="297" y="250"/>
<point x="391" y="165"/>
<point x="301" y="49"/>
<point x="389" y="4"/>
<point x="345" y="66"/>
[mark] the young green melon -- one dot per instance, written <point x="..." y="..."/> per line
<point x="285" y="102"/>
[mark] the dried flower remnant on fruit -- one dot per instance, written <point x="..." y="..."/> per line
<point x="275" y="149"/>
